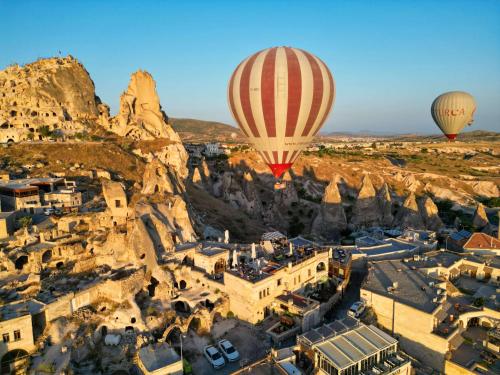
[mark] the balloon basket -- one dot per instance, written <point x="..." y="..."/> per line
<point x="279" y="185"/>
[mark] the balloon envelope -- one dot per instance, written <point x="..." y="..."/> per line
<point x="280" y="97"/>
<point x="452" y="111"/>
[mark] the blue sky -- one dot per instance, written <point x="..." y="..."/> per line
<point x="390" y="59"/>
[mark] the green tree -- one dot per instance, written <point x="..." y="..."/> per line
<point x="24" y="221"/>
<point x="45" y="131"/>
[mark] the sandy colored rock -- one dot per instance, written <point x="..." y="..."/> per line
<point x="408" y="216"/>
<point x="331" y="218"/>
<point x="140" y="115"/>
<point x="385" y="203"/>
<point x="366" y="210"/>
<point x="197" y="176"/>
<point x="157" y="179"/>
<point x="485" y="188"/>
<point x="285" y="197"/>
<point x="480" y="219"/>
<point x="55" y="92"/>
<point x="430" y="213"/>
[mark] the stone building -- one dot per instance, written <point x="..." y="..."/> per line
<point x="252" y="289"/>
<point x="17" y="326"/>
<point x="423" y="308"/>
<point x="33" y="194"/>
<point x="116" y="200"/>
<point x="7" y="224"/>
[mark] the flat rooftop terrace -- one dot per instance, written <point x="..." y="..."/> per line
<point x="434" y="259"/>
<point x="412" y="289"/>
<point x="155" y="357"/>
<point x="274" y="262"/>
<point x="17" y="309"/>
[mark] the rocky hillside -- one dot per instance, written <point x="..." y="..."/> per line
<point x="55" y="93"/>
<point x="191" y="130"/>
<point x="329" y="195"/>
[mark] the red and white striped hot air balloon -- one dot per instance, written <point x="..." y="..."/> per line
<point x="280" y="97"/>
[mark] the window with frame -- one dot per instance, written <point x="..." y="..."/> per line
<point x="17" y="335"/>
<point x="6" y="337"/>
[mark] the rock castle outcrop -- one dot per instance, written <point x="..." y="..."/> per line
<point x="56" y="93"/>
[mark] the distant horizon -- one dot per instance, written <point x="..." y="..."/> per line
<point x="388" y="64"/>
<point x="374" y="132"/>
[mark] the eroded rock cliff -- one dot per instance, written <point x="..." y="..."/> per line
<point x="366" y="210"/>
<point x="141" y="115"/>
<point x="331" y="219"/>
<point x="57" y="93"/>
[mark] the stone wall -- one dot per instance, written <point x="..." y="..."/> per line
<point x="24" y="325"/>
<point x="414" y="326"/>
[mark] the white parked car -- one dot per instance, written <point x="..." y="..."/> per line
<point x="228" y="350"/>
<point x="49" y="211"/>
<point x="213" y="356"/>
<point x="356" y="309"/>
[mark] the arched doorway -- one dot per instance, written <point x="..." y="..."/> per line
<point x="14" y="361"/>
<point x="209" y="304"/>
<point x="47" y="256"/>
<point x="194" y="324"/>
<point x="182" y="284"/>
<point x="320" y="267"/>
<point x="188" y="260"/>
<point x="182" y="307"/>
<point x="21" y="261"/>
<point x="60" y="264"/>
<point x="220" y="266"/>
<point x="152" y="286"/>
<point x="172" y="333"/>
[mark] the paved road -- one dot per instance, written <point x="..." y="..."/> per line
<point x="351" y="295"/>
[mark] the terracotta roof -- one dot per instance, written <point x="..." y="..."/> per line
<point x="482" y="241"/>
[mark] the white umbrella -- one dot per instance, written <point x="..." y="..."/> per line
<point x="254" y="252"/>
<point x="235" y="258"/>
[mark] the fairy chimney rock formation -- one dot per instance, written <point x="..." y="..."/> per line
<point x="197" y="176"/>
<point x="141" y="115"/>
<point x="409" y="214"/>
<point x="366" y="210"/>
<point x="480" y="219"/>
<point x="331" y="217"/>
<point x="385" y="203"/>
<point x="288" y="195"/>
<point x="430" y="214"/>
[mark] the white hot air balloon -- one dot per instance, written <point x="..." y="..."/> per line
<point x="452" y="111"/>
<point x="280" y="97"/>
